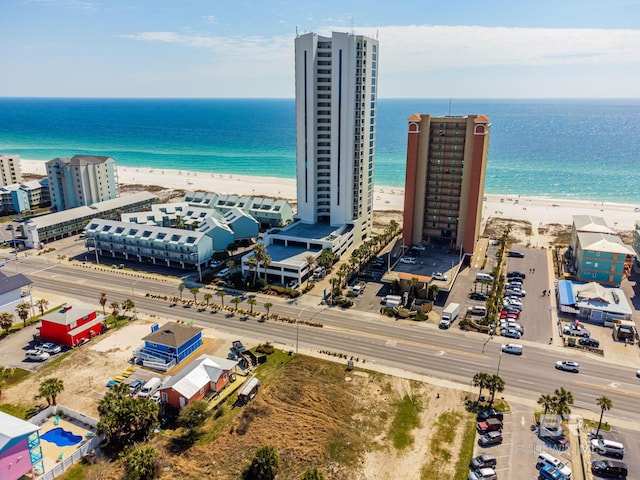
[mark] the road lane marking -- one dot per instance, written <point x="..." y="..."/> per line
<point x="609" y="389"/>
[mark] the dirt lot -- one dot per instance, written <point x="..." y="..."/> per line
<point x="313" y="411"/>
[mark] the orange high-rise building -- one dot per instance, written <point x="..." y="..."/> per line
<point x="444" y="185"/>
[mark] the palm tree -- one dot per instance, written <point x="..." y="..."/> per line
<point x="6" y="320"/>
<point x="194" y="292"/>
<point x="221" y="294"/>
<point x="547" y="402"/>
<point x="267" y="307"/>
<point x="604" y="403"/>
<point x="253" y="265"/>
<point x="252" y="302"/>
<point x="181" y="288"/>
<point x="266" y="261"/>
<point x="128" y="305"/>
<point x="22" y="309"/>
<point x="42" y="304"/>
<point x="564" y="398"/>
<point x="50" y="389"/>
<point x="115" y="308"/>
<point x="5" y="374"/>
<point x="495" y="384"/>
<point x="236" y="301"/>
<point x="312" y="474"/>
<point x="103" y="302"/>
<point x="481" y="380"/>
<point x="311" y="261"/>
<point x="207" y="297"/>
<point x="141" y="463"/>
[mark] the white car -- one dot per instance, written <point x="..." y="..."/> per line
<point x="420" y="248"/>
<point x="37" y="355"/>
<point x="410" y="260"/>
<point x="439" y="276"/>
<point x="50" y="347"/>
<point x="568" y="366"/>
<point x="223" y="273"/>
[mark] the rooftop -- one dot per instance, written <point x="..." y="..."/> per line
<point x="172" y="334"/>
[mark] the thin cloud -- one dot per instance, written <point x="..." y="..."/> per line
<point x="210" y="19"/>
<point x="79" y="4"/>
<point x="413" y="48"/>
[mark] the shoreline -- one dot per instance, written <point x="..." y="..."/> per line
<point x="537" y="210"/>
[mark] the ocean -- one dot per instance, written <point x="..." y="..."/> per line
<point x="564" y="149"/>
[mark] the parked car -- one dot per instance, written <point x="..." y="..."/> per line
<point x="514" y="293"/>
<point x="135" y="386"/>
<point x="490" y="438"/>
<point x="576" y="331"/>
<point x="518" y="280"/>
<point x="510" y="333"/>
<point x="439" y="276"/>
<point x="50" y="347"/>
<point x="420" y="248"/>
<point x="589" y="342"/>
<point x="568" y="366"/>
<point x="516" y="274"/>
<point x="489" y="425"/>
<point x="477" y="310"/>
<point x="609" y="468"/>
<point x="483" y="461"/>
<point x="483" y="474"/>
<point x="223" y="273"/>
<point x="558" y="441"/>
<point x="607" y="447"/>
<point x="37" y="355"/>
<point x="549" y="472"/>
<point x="489" y="413"/>
<point x="478" y="296"/>
<point x="515" y="253"/>
<point x="409" y="260"/>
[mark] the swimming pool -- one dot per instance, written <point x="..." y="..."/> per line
<point x="61" y="437"/>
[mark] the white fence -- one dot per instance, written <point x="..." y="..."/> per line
<point x="87" y="446"/>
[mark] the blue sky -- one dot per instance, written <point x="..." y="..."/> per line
<point x="225" y="48"/>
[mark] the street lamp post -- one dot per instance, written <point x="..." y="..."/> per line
<point x="133" y="299"/>
<point x="197" y="255"/>
<point x="499" y="360"/>
<point x="298" y="330"/>
<point x="95" y="247"/>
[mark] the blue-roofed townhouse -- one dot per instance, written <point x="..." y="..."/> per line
<point x="172" y="247"/>
<point x="168" y="345"/>
<point x="20" y="450"/>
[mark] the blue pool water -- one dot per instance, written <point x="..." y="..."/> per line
<point x="61" y="437"/>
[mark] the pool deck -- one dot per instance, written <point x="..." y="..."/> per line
<point x="50" y="451"/>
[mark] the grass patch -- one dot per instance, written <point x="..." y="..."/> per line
<point x="466" y="450"/>
<point x="19" y="411"/>
<point x="407" y="417"/>
<point x="18" y="375"/>
<point x="593" y="424"/>
<point x="444" y="434"/>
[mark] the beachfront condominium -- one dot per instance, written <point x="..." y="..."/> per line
<point x="81" y="180"/>
<point x="336" y="107"/>
<point x="10" y="172"/>
<point x="444" y="185"/>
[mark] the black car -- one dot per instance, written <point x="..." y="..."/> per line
<point x="478" y="296"/>
<point x="483" y="461"/>
<point x="516" y="273"/>
<point x="609" y="468"/>
<point x="515" y="253"/>
<point x="589" y="342"/>
<point x="490" y="413"/>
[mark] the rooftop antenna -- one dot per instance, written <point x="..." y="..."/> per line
<point x="352" y="27"/>
<point x="296" y="30"/>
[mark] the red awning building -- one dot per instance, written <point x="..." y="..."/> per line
<point x="71" y="325"/>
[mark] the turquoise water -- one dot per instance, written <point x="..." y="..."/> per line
<point x="574" y="149"/>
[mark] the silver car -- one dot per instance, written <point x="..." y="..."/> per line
<point x="568" y="366"/>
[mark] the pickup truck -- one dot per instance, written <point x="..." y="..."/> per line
<point x="576" y="331"/>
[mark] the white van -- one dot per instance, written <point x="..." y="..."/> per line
<point x="607" y="447"/>
<point x="545" y="459"/>
<point x="484" y="277"/>
<point x="512" y="348"/>
<point x="150" y="387"/>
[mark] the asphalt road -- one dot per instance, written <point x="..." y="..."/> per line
<point x="417" y="347"/>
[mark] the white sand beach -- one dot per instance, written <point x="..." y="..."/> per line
<point x="538" y="211"/>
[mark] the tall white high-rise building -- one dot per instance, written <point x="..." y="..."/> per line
<point x="81" y="180"/>
<point x="336" y="91"/>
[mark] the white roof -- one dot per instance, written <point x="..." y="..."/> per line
<point x="67" y="315"/>
<point x="12" y="428"/>
<point x="590" y="223"/>
<point x="603" y="242"/>
<point x="198" y="374"/>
